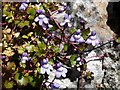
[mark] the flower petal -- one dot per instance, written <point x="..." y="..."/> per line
<point x="40" y="21"/>
<point x="62" y="23"/>
<point x="77" y="36"/>
<point x="45" y="20"/>
<point x="64" y="70"/>
<point x="41" y="16"/>
<point x="49" y="25"/>
<point x="48" y="71"/>
<point x="88" y="41"/>
<point x="23" y="61"/>
<point x="69" y="24"/>
<point x="50" y="67"/>
<point x="81" y="40"/>
<point x="58" y="74"/>
<point x="93" y="43"/>
<point x="25" y="58"/>
<point x="63" y="74"/>
<point x="93" y="37"/>
<point x="42" y="70"/>
<point x="46" y="66"/>
<point x="67" y="20"/>
<point x="36" y="19"/>
<point x="44" y="26"/>
<point x="72" y="39"/>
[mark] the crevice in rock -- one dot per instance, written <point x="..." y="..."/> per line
<point x="113" y="10"/>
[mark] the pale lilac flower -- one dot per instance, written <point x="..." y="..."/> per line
<point x="40" y="11"/>
<point x="66" y="21"/>
<point x="43" y="21"/>
<point x="45" y="67"/>
<point x="60" y="71"/>
<point x="92" y="39"/>
<point x="3" y="57"/>
<point x="25" y="57"/>
<point x="54" y="86"/>
<point x="23" y="6"/>
<point x="77" y="37"/>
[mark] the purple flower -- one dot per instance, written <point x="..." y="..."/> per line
<point x="40" y="11"/>
<point x="3" y="57"/>
<point x="43" y="21"/>
<point x="60" y="71"/>
<point x="66" y="21"/>
<point x="77" y="37"/>
<point x="54" y="86"/>
<point x="25" y="57"/>
<point x="82" y="22"/>
<point x="92" y="39"/>
<point x="45" y="67"/>
<point x="23" y="6"/>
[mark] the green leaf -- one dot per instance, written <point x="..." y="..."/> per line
<point x="88" y="74"/>
<point x="84" y="66"/>
<point x="8" y="52"/>
<point x="24" y="36"/>
<point x="8" y="84"/>
<point x="82" y="47"/>
<point x="73" y="63"/>
<point x="72" y="58"/>
<point x="31" y="11"/>
<point x="36" y="49"/>
<point x="85" y="33"/>
<point x="25" y="81"/>
<point x="65" y="47"/>
<point x="73" y="30"/>
<point x="21" y="50"/>
<point x="30" y="34"/>
<point x="50" y="61"/>
<point x="21" y="24"/>
<point x="30" y="48"/>
<point x="38" y="69"/>
<point x="17" y="21"/>
<point x="32" y="81"/>
<point x="41" y="45"/>
<point x="118" y="40"/>
<point x="26" y="23"/>
<point x="31" y="17"/>
<point x="11" y="65"/>
<point x="10" y="20"/>
<point x="18" y="76"/>
<point x="56" y="49"/>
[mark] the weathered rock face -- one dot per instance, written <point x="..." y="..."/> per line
<point x="95" y="14"/>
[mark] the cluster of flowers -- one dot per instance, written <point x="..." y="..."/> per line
<point x="43" y="20"/>
<point x="92" y="38"/>
<point x="24" y="5"/>
<point x="47" y="68"/>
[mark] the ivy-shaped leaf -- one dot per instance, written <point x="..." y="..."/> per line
<point x="21" y="50"/>
<point x="25" y="36"/>
<point x="65" y="47"/>
<point x="118" y="40"/>
<point x="31" y="11"/>
<point x="85" y="33"/>
<point x="8" y="84"/>
<point x="72" y="59"/>
<point x="73" y="30"/>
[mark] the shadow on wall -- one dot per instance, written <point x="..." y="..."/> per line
<point x="113" y="21"/>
